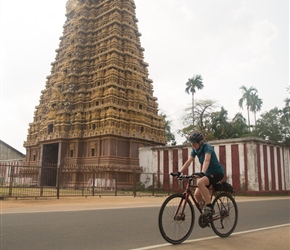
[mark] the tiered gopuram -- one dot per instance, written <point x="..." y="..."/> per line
<point x="97" y="107"/>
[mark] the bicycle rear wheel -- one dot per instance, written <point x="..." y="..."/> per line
<point x="175" y="225"/>
<point x="225" y="219"/>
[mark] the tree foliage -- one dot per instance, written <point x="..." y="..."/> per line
<point x="170" y="137"/>
<point x="270" y="127"/>
<point x="203" y="110"/>
<point x="273" y="125"/>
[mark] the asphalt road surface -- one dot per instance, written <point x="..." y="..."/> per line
<point x="121" y="228"/>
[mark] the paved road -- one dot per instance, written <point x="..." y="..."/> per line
<point x="134" y="228"/>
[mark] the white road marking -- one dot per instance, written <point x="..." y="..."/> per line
<point x="45" y="210"/>
<point x="213" y="237"/>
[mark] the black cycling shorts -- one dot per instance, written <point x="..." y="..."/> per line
<point x="214" y="177"/>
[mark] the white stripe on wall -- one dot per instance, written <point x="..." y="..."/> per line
<point x="161" y="161"/>
<point x="229" y="164"/>
<point x="252" y="169"/>
<point x="217" y="152"/>
<point x="276" y="168"/>
<point x="269" y="168"/>
<point x="282" y="169"/>
<point x="179" y="159"/>
<point x="262" y="169"/>
<point x="242" y="165"/>
<point x="170" y="159"/>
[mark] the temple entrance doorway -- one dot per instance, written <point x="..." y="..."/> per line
<point x="49" y="164"/>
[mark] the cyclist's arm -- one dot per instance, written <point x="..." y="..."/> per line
<point x="206" y="162"/>
<point x="186" y="164"/>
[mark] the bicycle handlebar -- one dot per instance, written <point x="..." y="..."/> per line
<point x="192" y="176"/>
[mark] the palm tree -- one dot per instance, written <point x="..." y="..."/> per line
<point x="192" y="84"/>
<point x="247" y="97"/>
<point x="256" y="105"/>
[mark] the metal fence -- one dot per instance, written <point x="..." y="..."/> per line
<point x="50" y="181"/>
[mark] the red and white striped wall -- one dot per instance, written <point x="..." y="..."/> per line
<point x="250" y="164"/>
<point x="7" y="168"/>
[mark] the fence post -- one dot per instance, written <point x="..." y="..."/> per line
<point x="168" y="184"/>
<point x="41" y="190"/>
<point x="94" y="178"/>
<point x="153" y="185"/>
<point x="83" y="189"/>
<point x="134" y="183"/>
<point x="39" y="179"/>
<point x="58" y="181"/>
<point x="11" y="180"/>
<point x="116" y="184"/>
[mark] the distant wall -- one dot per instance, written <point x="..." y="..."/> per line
<point x="251" y="165"/>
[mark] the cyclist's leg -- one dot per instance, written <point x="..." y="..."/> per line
<point x="199" y="198"/>
<point x="203" y="184"/>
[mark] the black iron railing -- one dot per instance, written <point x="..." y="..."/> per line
<point x="53" y="181"/>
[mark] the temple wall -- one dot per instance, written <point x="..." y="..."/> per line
<point x="250" y="164"/>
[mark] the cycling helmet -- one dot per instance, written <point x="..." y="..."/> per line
<point x="195" y="137"/>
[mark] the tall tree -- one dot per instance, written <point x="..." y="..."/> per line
<point x="220" y="126"/>
<point x="239" y="126"/>
<point x="269" y="126"/>
<point x="256" y="105"/>
<point x="192" y="85"/>
<point x="170" y="137"/>
<point x="202" y="112"/>
<point x="203" y="109"/>
<point x="285" y="119"/>
<point x="248" y="98"/>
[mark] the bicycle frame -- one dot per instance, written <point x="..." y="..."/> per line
<point x="188" y="193"/>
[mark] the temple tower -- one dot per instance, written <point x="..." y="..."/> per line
<point x="97" y="107"/>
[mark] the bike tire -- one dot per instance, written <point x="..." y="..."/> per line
<point x="225" y="219"/>
<point x="176" y="229"/>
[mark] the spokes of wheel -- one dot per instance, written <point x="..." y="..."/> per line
<point x="176" y="219"/>
<point x="226" y="215"/>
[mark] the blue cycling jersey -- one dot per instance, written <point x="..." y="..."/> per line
<point x="214" y="165"/>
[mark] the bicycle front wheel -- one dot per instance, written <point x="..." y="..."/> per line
<point x="176" y="219"/>
<point x="225" y="219"/>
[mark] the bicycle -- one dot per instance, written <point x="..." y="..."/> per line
<point x="176" y="216"/>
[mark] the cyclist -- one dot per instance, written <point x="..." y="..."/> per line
<point x="211" y="170"/>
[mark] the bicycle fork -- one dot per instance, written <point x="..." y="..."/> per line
<point x="179" y="213"/>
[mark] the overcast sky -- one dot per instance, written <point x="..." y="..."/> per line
<point x="229" y="42"/>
